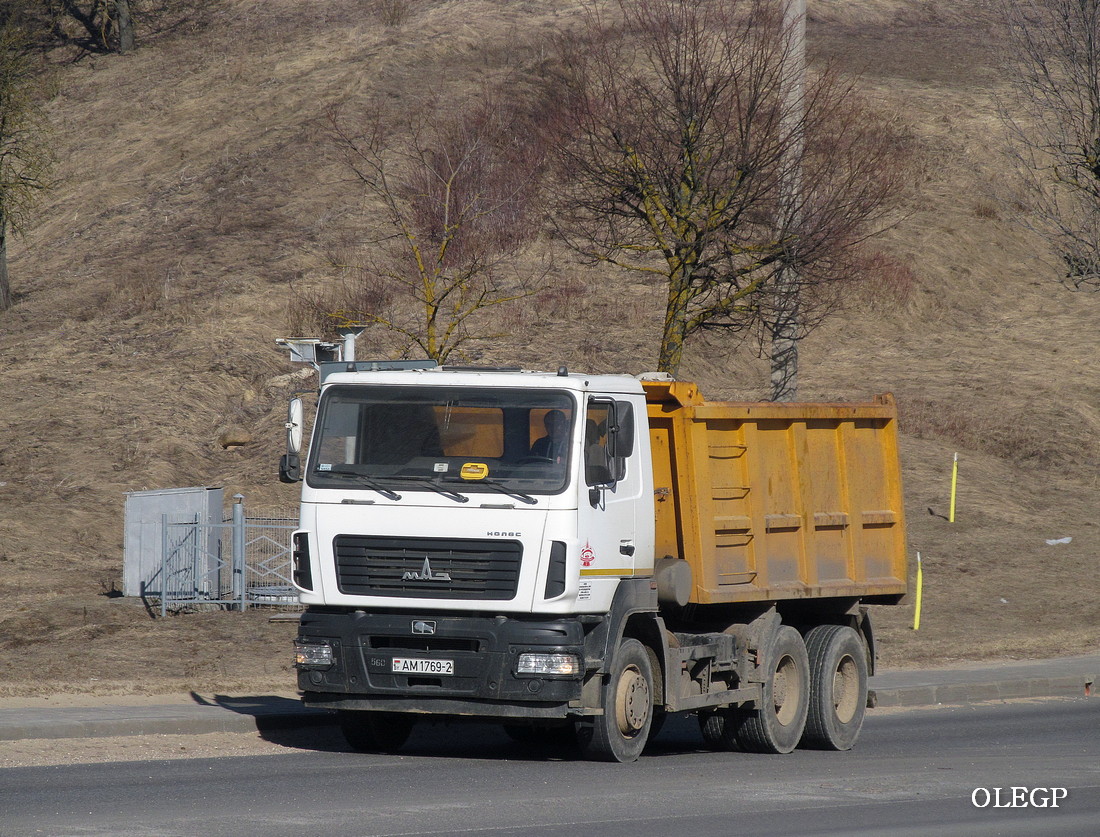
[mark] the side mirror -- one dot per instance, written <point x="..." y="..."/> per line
<point x="290" y="468"/>
<point x="290" y="465"/>
<point x="623" y="438"/>
<point x="620" y="439"/>
<point x="295" y="417"/>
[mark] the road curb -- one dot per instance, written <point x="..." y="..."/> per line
<point x="934" y="694"/>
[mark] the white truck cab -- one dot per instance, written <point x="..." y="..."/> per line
<point x="448" y="490"/>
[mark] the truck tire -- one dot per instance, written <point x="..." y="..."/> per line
<point x="721" y="729"/>
<point x="777" y="723"/>
<point x="621" y="732"/>
<point x="375" y="732"/>
<point x="838" y="687"/>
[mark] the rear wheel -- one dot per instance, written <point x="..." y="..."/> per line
<point x="721" y="728"/>
<point x="375" y="732"/>
<point x="777" y="723"/>
<point x="838" y="687"/>
<point x="620" y="734"/>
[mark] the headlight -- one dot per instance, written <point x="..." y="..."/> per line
<point x="312" y="654"/>
<point x="562" y="665"/>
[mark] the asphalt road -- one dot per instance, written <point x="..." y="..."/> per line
<point x="912" y="772"/>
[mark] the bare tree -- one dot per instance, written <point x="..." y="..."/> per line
<point x="92" y="25"/>
<point x="678" y="127"/>
<point x="25" y="158"/>
<point x="457" y="195"/>
<point x="107" y="24"/>
<point x="1053" y="121"/>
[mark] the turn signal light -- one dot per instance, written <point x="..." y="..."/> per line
<point x="549" y="665"/>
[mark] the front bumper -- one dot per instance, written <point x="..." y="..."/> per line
<point x="483" y="650"/>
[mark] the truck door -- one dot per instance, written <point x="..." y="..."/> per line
<point x="612" y="492"/>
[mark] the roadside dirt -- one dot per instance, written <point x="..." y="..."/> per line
<point x="65" y="751"/>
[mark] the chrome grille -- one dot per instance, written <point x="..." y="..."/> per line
<point x="426" y="568"/>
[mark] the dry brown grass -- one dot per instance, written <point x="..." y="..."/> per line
<point x="198" y="193"/>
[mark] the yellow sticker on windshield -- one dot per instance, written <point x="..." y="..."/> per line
<point x="474" y="471"/>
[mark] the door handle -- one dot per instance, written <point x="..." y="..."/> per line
<point x="626" y="548"/>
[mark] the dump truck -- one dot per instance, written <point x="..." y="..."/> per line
<point x="575" y="555"/>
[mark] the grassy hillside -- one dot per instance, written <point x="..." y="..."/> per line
<point x="199" y="197"/>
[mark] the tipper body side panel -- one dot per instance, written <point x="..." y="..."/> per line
<point x="769" y="502"/>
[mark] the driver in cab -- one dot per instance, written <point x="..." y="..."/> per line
<point x="554" y="446"/>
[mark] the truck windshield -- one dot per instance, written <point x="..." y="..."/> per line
<point x="461" y="439"/>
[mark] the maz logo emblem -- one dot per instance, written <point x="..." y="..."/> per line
<point x="422" y="627"/>
<point x="425" y="574"/>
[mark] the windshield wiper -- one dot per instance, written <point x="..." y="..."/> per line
<point x="511" y="492"/>
<point x="434" y="486"/>
<point x="364" y="480"/>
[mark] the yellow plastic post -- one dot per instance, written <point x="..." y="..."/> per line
<point x="954" y="485"/>
<point x="920" y="591"/>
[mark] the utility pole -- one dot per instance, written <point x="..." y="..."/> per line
<point x="784" y="348"/>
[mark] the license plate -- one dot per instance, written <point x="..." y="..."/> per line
<point x="404" y="665"/>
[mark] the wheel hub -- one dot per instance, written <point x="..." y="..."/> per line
<point x="632" y="702"/>
<point x="786" y="687"/>
<point x="846" y="689"/>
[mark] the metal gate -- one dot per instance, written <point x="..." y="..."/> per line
<point x="243" y="562"/>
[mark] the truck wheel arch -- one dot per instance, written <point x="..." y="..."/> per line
<point x="649" y="630"/>
<point x="633" y="615"/>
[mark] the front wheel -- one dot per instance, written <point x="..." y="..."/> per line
<point x="620" y="734"/>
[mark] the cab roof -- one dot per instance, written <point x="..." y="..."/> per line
<point x="485" y="377"/>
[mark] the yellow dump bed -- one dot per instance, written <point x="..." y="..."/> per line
<point x="778" y="501"/>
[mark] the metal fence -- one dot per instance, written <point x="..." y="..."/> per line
<point x="243" y="562"/>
